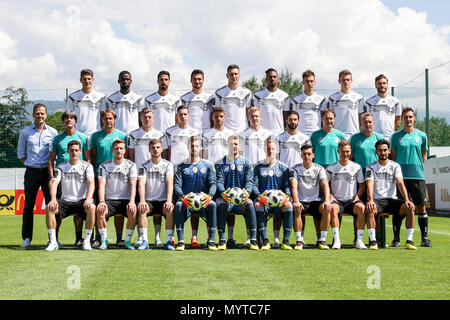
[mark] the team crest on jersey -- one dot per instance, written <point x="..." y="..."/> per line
<point x="226" y="169"/>
<point x="278" y="173"/>
<point x="418" y="139"/>
<point x="187" y="171"/>
<point x="270" y="173"/>
<point x="233" y="167"/>
<point x="194" y="170"/>
<point x="240" y="167"/>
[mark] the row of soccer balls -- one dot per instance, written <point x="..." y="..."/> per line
<point x="237" y="196"/>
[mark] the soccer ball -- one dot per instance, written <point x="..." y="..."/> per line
<point x="236" y="195"/>
<point x="196" y="201"/>
<point x="274" y="198"/>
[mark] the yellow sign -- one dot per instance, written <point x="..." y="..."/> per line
<point x="7" y="202"/>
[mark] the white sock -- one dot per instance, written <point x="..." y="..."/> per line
<point x="103" y="234"/>
<point x="157" y="231"/>
<point x="276" y="236"/>
<point x="298" y="236"/>
<point x="169" y="235"/>
<point x="129" y="233"/>
<point x="336" y="234"/>
<point x="409" y="234"/>
<point x="360" y="234"/>
<point x="230" y="232"/>
<point x="52" y="235"/>
<point x="87" y="235"/>
<point x="372" y="235"/>
<point x="323" y="235"/>
<point x="143" y="233"/>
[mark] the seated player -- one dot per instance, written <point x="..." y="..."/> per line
<point x="271" y="174"/>
<point x="347" y="188"/>
<point x="117" y="192"/>
<point x="195" y="175"/>
<point x="382" y="176"/>
<point x="155" y="188"/>
<point x="232" y="171"/>
<point x="307" y="181"/>
<point x="77" y="189"/>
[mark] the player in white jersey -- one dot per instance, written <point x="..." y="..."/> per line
<point x="215" y="139"/>
<point x="163" y="103"/>
<point x="177" y="136"/>
<point x="272" y="102"/>
<point x="386" y="109"/>
<point x="235" y="100"/>
<point x="87" y="104"/>
<point x="308" y="104"/>
<point x="199" y="102"/>
<point x="308" y="180"/>
<point x="155" y="189"/>
<point x="347" y="188"/>
<point x="382" y="177"/>
<point x="126" y="104"/>
<point x="254" y="137"/>
<point x="117" y="192"/>
<point x="77" y="189"/>
<point x="348" y="106"/>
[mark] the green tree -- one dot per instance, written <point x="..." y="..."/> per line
<point x="439" y="131"/>
<point x="54" y="120"/>
<point x="286" y="82"/>
<point x="13" y="118"/>
<point x="253" y="84"/>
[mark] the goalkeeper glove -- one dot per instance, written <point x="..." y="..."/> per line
<point x="206" y="199"/>
<point x="187" y="200"/>
<point x="226" y="196"/>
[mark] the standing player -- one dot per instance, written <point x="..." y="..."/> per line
<point x="126" y="104"/>
<point x="382" y="177"/>
<point x="348" y="105"/>
<point x="271" y="174"/>
<point x="199" y="176"/>
<point x="163" y="103"/>
<point x="216" y="138"/>
<point x="33" y="151"/>
<point x="235" y="100"/>
<point x="233" y="170"/>
<point x="409" y="149"/>
<point x="272" y="102"/>
<point x="199" y="102"/>
<point x="307" y="181"/>
<point x="87" y="104"/>
<point x="116" y="193"/>
<point x="325" y="141"/>
<point x="308" y="105"/>
<point x="347" y="188"/>
<point x="386" y="109"/>
<point x="77" y="189"/>
<point x="363" y="143"/>
<point x="155" y="194"/>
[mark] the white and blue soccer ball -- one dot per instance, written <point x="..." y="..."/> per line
<point x="274" y="198"/>
<point x="236" y="196"/>
<point x="196" y="201"/>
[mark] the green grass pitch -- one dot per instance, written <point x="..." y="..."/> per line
<point x="198" y="274"/>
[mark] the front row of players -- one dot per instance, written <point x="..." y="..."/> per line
<point x="258" y="193"/>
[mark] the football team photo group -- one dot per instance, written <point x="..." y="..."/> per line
<point x="163" y="160"/>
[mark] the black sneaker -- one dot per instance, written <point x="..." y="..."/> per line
<point x="78" y="243"/>
<point x="120" y="243"/>
<point x="95" y="244"/>
<point x="231" y="244"/>
<point x="396" y="243"/>
<point x="426" y="243"/>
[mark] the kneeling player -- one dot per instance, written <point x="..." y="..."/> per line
<point x="271" y="174"/>
<point x="155" y="194"/>
<point x="235" y="171"/>
<point x="382" y="176"/>
<point x="117" y="185"/>
<point x="195" y="175"/>
<point x="307" y="180"/>
<point x="347" y="187"/>
<point x="77" y="189"/>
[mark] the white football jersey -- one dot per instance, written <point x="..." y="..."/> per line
<point x="74" y="179"/>
<point x="344" y="180"/>
<point x="156" y="179"/>
<point x="290" y="145"/>
<point x="164" y="109"/>
<point x="87" y="108"/>
<point x="127" y="109"/>
<point x="215" y="142"/>
<point x="117" y="177"/>
<point x="139" y="141"/>
<point x="235" y="103"/>
<point x="347" y="108"/>
<point x="308" y="108"/>
<point x="253" y="144"/>
<point x="308" y="181"/>
<point x="384" y="111"/>
<point x="200" y="106"/>
<point x="177" y="139"/>
<point x="384" y="177"/>
<point x="272" y="105"/>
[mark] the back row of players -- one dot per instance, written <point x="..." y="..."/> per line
<point x="265" y="112"/>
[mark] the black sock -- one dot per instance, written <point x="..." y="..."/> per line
<point x="396" y="225"/>
<point x="78" y="235"/>
<point x="423" y="224"/>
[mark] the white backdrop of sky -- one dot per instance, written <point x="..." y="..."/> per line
<point x="44" y="44"/>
